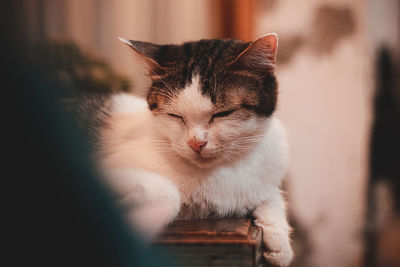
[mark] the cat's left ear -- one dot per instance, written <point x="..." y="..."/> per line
<point x="145" y="54"/>
<point x="260" y="54"/>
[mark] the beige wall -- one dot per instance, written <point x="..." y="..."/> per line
<point x="325" y="105"/>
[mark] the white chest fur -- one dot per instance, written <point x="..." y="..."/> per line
<point x="237" y="189"/>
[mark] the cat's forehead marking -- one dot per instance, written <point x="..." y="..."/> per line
<point x="191" y="100"/>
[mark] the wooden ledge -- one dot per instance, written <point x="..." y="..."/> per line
<point x="211" y="242"/>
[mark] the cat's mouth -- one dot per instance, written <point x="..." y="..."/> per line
<point x="203" y="161"/>
<point x="199" y="156"/>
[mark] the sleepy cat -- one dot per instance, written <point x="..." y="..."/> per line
<point x="205" y="142"/>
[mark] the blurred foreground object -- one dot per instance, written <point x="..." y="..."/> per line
<point x="57" y="213"/>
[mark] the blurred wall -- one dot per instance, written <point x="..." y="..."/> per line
<point x="96" y="24"/>
<point x="325" y="95"/>
<point x="326" y="76"/>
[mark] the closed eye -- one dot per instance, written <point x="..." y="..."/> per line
<point x="176" y="116"/>
<point x="221" y="114"/>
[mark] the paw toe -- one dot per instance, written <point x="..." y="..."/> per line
<point x="279" y="258"/>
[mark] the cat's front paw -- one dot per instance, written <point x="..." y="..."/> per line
<point x="149" y="219"/>
<point x="278" y="249"/>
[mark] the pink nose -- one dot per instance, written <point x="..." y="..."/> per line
<point x="196" y="145"/>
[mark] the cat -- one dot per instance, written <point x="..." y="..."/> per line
<point x="204" y="142"/>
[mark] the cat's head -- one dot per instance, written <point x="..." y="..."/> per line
<point x="211" y="98"/>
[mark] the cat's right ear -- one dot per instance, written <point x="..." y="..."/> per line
<point x="145" y="53"/>
<point x="260" y="54"/>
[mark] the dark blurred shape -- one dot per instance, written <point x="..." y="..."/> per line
<point x="385" y="141"/>
<point x="57" y="212"/>
<point x="331" y="24"/>
<point x="383" y="230"/>
<point x="76" y="71"/>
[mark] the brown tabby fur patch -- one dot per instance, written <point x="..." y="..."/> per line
<point x="229" y="83"/>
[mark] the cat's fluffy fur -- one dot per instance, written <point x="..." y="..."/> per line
<point x="155" y="172"/>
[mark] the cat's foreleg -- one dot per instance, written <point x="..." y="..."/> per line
<point x="149" y="201"/>
<point x="270" y="215"/>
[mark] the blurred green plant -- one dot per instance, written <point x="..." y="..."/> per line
<point x="76" y="71"/>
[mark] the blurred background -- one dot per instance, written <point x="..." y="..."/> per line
<point x="338" y="72"/>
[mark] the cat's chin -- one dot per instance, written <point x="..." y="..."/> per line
<point x="200" y="161"/>
<point x="205" y="162"/>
